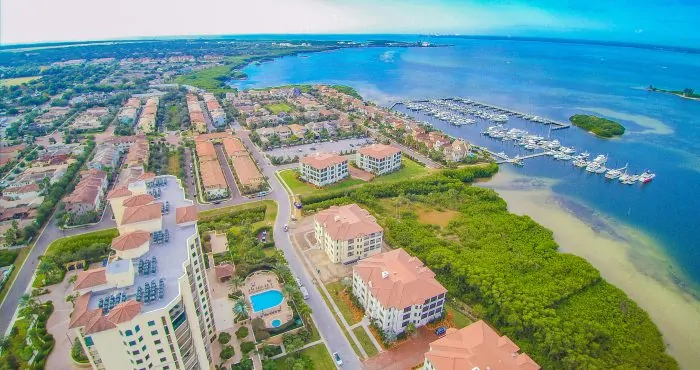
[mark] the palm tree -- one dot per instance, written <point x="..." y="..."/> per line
<point x="235" y="282"/>
<point x="28" y="303"/>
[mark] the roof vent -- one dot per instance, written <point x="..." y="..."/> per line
<point x="385" y="274"/>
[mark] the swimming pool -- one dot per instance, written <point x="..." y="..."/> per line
<point x="266" y="300"/>
<point x="276" y="323"/>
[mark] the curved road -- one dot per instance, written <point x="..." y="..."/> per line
<point x="328" y="327"/>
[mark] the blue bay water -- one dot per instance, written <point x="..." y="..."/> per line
<point x="555" y="81"/>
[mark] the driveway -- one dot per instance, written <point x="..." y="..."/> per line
<point x="406" y="355"/>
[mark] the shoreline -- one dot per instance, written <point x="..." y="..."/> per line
<point x="625" y="257"/>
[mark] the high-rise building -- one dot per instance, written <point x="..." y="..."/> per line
<point x="148" y="306"/>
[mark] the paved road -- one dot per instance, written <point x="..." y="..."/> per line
<point x="327" y="326"/>
<point x="21" y="284"/>
<point x="230" y="179"/>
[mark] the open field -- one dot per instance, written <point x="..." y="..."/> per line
<point x="209" y="79"/>
<point x="459" y="320"/>
<point x="279" y="108"/>
<point x="17" y="81"/>
<point x="436" y="217"/>
<point x="365" y="341"/>
<point x="410" y="170"/>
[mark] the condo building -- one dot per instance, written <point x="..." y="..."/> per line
<point x="475" y="347"/>
<point x="347" y="233"/>
<point x="148" y="305"/>
<point x="379" y="159"/>
<point x="396" y="290"/>
<point x="323" y="169"/>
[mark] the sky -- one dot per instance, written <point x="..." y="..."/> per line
<point x="670" y="22"/>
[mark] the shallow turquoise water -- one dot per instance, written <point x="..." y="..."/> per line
<point x="266" y="300"/>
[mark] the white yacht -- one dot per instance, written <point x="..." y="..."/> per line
<point x="646" y="177"/>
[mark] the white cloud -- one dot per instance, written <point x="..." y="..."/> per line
<point x="58" y="20"/>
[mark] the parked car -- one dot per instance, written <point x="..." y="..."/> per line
<point x="304" y="292"/>
<point x="338" y="360"/>
<point x="286" y="227"/>
<point x="440" y="331"/>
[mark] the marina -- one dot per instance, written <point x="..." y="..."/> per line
<point x="460" y="112"/>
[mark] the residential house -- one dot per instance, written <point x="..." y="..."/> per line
<point x="456" y="151"/>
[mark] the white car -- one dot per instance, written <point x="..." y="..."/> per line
<point x="338" y="360"/>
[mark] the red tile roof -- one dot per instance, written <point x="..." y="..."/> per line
<point x="119" y="192"/>
<point x="81" y="315"/>
<point x="347" y="222"/>
<point x="98" y="323"/>
<point x="124" y="311"/>
<point x="138" y="200"/>
<point x="323" y="160"/>
<point x="408" y="281"/>
<point x="91" y="278"/>
<point x="186" y="214"/>
<point x="130" y="240"/>
<point x="378" y="151"/>
<point x="224" y="270"/>
<point x="141" y="213"/>
<point x="477" y="346"/>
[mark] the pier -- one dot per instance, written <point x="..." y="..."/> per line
<point x="513" y="160"/>
<point x="556" y="125"/>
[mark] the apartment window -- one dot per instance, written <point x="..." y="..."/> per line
<point x="141" y="339"/>
<point x="147" y="357"/>
<point x="157" y="341"/>
<point x="154" y="332"/>
<point x="132" y="343"/>
<point x="139" y="361"/>
<point x="128" y="333"/>
<point x="163" y="359"/>
<point x="136" y="352"/>
<point x="151" y="323"/>
<point x="89" y="342"/>
<point x="160" y="350"/>
<point x="137" y="328"/>
<point x="143" y="347"/>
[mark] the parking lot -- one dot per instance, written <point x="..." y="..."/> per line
<point x="327" y="146"/>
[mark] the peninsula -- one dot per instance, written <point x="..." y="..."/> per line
<point x="686" y="93"/>
<point x="599" y="126"/>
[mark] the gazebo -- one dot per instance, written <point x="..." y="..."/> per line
<point x="223" y="272"/>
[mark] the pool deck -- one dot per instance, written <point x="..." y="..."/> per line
<point x="260" y="282"/>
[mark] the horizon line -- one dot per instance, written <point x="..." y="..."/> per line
<point x="651" y="46"/>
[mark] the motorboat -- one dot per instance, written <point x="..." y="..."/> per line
<point x="646" y="177"/>
<point x="613" y="174"/>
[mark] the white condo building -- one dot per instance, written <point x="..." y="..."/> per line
<point x="148" y="307"/>
<point x="379" y="159"/>
<point x="323" y="169"/>
<point x="347" y="233"/>
<point x="396" y="289"/>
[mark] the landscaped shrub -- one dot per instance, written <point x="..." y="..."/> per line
<point x="247" y="347"/>
<point x="246" y="364"/>
<point x="7" y="257"/>
<point x="224" y="338"/>
<point x="242" y="332"/>
<point x="271" y="351"/>
<point x="226" y="353"/>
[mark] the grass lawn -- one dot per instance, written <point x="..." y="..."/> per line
<point x="318" y="354"/>
<point x="365" y="341"/>
<point x="173" y="164"/>
<point x="351" y="314"/>
<point x="301" y="188"/>
<point x="459" y="320"/>
<point x="270" y="212"/>
<point x="23" y="253"/>
<point x="410" y="170"/>
<point x="342" y="328"/>
<point x="17" y="81"/>
<point x="278" y="108"/>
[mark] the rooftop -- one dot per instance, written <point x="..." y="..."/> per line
<point x="323" y="160"/>
<point x="398" y="280"/>
<point x="347" y="222"/>
<point x="141" y="213"/>
<point x="170" y="257"/>
<point x="378" y="151"/>
<point x="477" y="346"/>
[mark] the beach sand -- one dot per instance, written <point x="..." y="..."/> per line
<point x="627" y="258"/>
<point x="652" y="125"/>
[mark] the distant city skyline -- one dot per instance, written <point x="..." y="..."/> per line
<point x="30" y="21"/>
